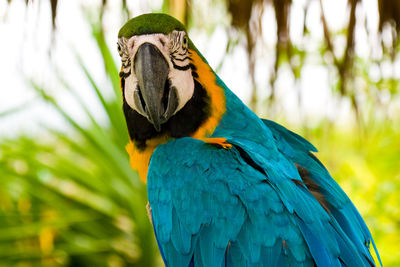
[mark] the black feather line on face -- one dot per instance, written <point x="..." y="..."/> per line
<point x="183" y="68"/>
<point x="124" y="75"/>
<point x="184" y="123"/>
<point x="126" y="63"/>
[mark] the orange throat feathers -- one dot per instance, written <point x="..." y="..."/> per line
<point x="140" y="159"/>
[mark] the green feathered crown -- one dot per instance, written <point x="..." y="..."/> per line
<point x="150" y="23"/>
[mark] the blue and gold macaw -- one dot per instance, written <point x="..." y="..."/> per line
<point x="225" y="187"/>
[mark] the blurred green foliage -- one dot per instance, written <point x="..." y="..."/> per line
<point x="71" y="199"/>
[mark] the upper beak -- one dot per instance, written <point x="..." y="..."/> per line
<point x="157" y="100"/>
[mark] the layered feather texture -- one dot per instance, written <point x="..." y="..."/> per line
<point x="248" y="205"/>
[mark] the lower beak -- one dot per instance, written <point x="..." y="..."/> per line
<point x="158" y="101"/>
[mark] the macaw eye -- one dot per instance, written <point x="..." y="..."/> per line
<point x="185" y="41"/>
<point x="119" y="49"/>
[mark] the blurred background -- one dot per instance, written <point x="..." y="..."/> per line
<point x="327" y="69"/>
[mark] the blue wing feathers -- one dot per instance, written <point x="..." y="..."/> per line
<point x="321" y="255"/>
<point x="341" y="207"/>
<point x="181" y="238"/>
<point x="210" y="208"/>
<point x="212" y="254"/>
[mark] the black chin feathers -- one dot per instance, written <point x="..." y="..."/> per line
<point x="184" y="123"/>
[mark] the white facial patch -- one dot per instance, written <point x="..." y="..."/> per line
<point x="174" y="48"/>
<point x="183" y="82"/>
<point x="131" y="85"/>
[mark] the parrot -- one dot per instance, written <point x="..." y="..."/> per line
<point x="225" y="187"/>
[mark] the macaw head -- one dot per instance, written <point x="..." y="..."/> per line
<point x="165" y="81"/>
<point x="154" y="49"/>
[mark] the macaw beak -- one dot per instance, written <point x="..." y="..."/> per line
<point x="155" y="98"/>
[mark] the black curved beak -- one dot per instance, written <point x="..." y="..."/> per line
<point x="156" y="99"/>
